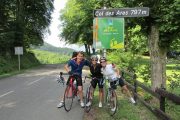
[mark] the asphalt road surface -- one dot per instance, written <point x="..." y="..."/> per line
<point x="34" y="95"/>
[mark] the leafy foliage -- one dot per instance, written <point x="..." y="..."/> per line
<point x="173" y="80"/>
<point x="123" y="59"/>
<point x="23" y="23"/>
<point x="163" y="14"/>
<point x="8" y="65"/>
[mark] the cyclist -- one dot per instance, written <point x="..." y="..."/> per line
<point x="112" y="73"/>
<point x="75" y="66"/>
<point x="97" y="78"/>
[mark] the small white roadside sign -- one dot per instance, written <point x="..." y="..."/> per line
<point x="19" y="51"/>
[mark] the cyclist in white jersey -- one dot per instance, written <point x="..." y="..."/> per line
<point x="112" y="74"/>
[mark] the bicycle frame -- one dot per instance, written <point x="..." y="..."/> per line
<point x="111" y="98"/>
<point x="70" y="93"/>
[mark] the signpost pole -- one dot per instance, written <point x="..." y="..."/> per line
<point x="19" y="62"/>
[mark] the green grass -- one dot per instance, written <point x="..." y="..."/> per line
<point x="126" y="110"/>
<point x="46" y="57"/>
<point x="9" y="65"/>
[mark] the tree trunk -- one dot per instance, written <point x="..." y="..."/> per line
<point x="158" y="59"/>
<point x="19" y="34"/>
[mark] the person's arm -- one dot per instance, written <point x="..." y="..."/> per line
<point x="116" y="70"/>
<point x="87" y="62"/>
<point x="66" y="67"/>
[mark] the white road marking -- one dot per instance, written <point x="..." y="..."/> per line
<point x="35" y="81"/>
<point x="6" y="94"/>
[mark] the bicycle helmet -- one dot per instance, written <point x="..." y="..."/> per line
<point x="94" y="57"/>
<point x="103" y="58"/>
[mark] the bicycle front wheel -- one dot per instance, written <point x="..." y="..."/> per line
<point x="111" y="100"/>
<point x="68" y="98"/>
<point x="88" y="99"/>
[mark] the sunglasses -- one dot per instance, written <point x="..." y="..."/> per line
<point x="102" y="61"/>
<point x="93" y="60"/>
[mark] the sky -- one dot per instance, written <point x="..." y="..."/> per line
<point x="53" y="38"/>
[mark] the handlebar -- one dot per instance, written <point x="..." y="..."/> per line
<point x="62" y="73"/>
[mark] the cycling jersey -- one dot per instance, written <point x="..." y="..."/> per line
<point x="97" y="76"/>
<point x="96" y="71"/>
<point x="77" y="68"/>
<point x="109" y="72"/>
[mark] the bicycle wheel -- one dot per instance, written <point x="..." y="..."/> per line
<point x="111" y="100"/>
<point x="88" y="98"/>
<point x="68" y="98"/>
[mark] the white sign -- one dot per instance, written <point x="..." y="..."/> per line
<point x="18" y="50"/>
<point x="122" y="12"/>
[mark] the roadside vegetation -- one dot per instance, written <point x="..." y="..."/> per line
<point x="126" y="110"/>
<point x="46" y="57"/>
<point x="33" y="58"/>
<point x="10" y="65"/>
<point x="140" y="65"/>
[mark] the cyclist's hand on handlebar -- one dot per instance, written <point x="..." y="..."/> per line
<point x="70" y="73"/>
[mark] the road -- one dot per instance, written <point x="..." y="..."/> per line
<point x="34" y="95"/>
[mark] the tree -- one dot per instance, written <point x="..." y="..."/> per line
<point x="23" y="23"/>
<point x="162" y="28"/>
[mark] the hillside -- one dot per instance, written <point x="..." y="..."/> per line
<point x="50" y="48"/>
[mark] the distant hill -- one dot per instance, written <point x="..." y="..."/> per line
<point x="50" y="48"/>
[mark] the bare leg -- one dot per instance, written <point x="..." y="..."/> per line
<point x="100" y="94"/>
<point x="129" y="94"/>
<point x="80" y="92"/>
<point x="126" y="90"/>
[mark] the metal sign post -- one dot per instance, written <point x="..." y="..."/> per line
<point x="19" y="51"/>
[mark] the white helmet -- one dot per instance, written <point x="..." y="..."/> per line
<point x="103" y="58"/>
<point x="94" y="57"/>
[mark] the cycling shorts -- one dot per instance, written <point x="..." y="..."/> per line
<point x="99" y="81"/>
<point x="121" y="82"/>
<point x="77" y="78"/>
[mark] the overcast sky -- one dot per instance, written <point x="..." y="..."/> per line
<point x="53" y="38"/>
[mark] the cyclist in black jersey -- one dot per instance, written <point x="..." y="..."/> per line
<point x="97" y="78"/>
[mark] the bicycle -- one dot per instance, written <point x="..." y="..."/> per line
<point x="70" y="92"/>
<point x="90" y="93"/>
<point x="89" y="96"/>
<point x="111" y="97"/>
<point x="61" y="79"/>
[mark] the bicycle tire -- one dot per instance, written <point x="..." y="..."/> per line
<point x="111" y="100"/>
<point x="87" y="99"/>
<point x="68" y="98"/>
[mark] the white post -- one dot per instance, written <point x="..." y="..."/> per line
<point x="19" y="62"/>
<point x="104" y="88"/>
<point x="104" y="52"/>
